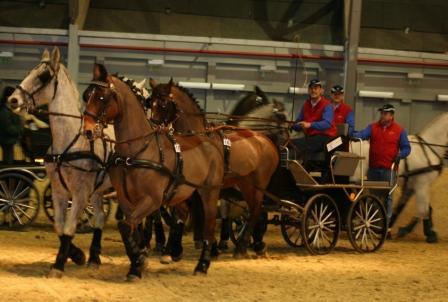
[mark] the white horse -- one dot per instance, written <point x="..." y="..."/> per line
<point x="72" y="169"/>
<point x="420" y="169"/>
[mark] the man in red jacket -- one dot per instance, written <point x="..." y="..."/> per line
<point x="316" y="120"/>
<point x="343" y="113"/>
<point x="388" y="144"/>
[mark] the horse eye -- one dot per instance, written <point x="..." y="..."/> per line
<point x="101" y="98"/>
<point x="44" y="77"/>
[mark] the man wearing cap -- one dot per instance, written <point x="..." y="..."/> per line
<point x="343" y="113"/>
<point x="388" y="144"/>
<point x="316" y="121"/>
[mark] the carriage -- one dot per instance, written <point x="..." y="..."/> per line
<point x="312" y="203"/>
<point x="25" y="188"/>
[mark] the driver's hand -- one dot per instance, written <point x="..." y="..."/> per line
<point x="304" y="125"/>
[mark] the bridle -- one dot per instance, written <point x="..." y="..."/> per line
<point x="167" y="105"/>
<point x="45" y="80"/>
<point x="100" y="117"/>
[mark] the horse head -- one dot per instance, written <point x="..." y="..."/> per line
<point x="34" y="90"/>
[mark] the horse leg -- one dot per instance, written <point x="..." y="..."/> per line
<point x="405" y="196"/>
<point x="258" y="234"/>
<point x="254" y="200"/>
<point x="79" y="203"/>
<point x="147" y="232"/>
<point x="60" y="198"/>
<point x="424" y="210"/>
<point x="209" y="202"/>
<point x="98" y="224"/>
<point x="160" y="232"/>
<point x="131" y="237"/>
<point x="225" y="226"/>
<point x="173" y="249"/>
<point x="197" y="214"/>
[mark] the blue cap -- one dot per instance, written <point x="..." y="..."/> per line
<point x="337" y="89"/>
<point x="315" y="82"/>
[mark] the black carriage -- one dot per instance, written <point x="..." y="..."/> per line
<point x="313" y="205"/>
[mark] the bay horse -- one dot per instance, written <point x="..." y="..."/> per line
<point x="149" y="169"/>
<point x="252" y="160"/>
<point x="72" y="168"/>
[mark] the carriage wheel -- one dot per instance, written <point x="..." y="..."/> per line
<point x="238" y="224"/>
<point x="86" y="222"/>
<point x="320" y="224"/>
<point x="19" y="200"/>
<point x="290" y="228"/>
<point x="367" y="224"/>
<point x="238" y="221"/>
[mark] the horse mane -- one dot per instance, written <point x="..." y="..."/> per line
<point x="191" y="96"/>
<point x="133" y="86"/>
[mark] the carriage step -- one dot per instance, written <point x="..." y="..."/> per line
<point x="301" y="176"/>
<point x="377" y="184"/>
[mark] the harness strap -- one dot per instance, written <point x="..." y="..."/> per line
<point x="177" y="177"/>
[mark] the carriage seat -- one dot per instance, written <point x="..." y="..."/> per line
<point x="345" y="163"/>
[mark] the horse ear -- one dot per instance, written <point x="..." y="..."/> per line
<point x="152" y="83"/>
<point x="55" y="58"/>
<point x="261" y="94"/>
<point x="45" y="55"/>
<point x="171" y="82"/>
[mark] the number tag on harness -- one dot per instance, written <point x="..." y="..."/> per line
<point x="177" y="147"/>
<point x="227" y="142"/>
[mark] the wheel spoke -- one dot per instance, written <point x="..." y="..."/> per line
<point x="324" y="236"/>
<point x="17" y="216"/>
<point x="24" y="205"/>
<point x="24" y="213"/>
<point x="326" y="217"/>
<point x="5" y="189"/>
<point x="19" y="185"/>
<point x="22" y="193"/>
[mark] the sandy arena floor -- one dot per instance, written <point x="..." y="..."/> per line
<point x="404" y="270"/>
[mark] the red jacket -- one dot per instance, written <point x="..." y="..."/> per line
<point x="384" y="145"/>
<point x="341" y="112"/>
<point x="315" y="114"/>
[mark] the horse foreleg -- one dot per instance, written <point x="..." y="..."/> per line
<point x="98" y="224"/>
<point x="131" y="235"/>
<point x="254" y="200"/>
<point x="402" y="202"/>
<point x="60" y="198"/>
<point x="424" y="210"/>
<point x="173" y="249"/>
<point x="209" y="202"/>
<point x="79" y="203"/>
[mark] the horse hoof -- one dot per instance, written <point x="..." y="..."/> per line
<point x="223" y="246"/>
<point x="403" y="231"/>
<point x="55" y="273"/>
<point x="261" y="249"/>
<point x="166" y="259"/>
<point x="78" y="257"/>
<point x="133" y="278"/>
<point x="432" y="238"/>
<point x="202" y="267"/>
<point x="240" y="255"/>
<point x="177" y="258"/>
<point x="93" y="265"/>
